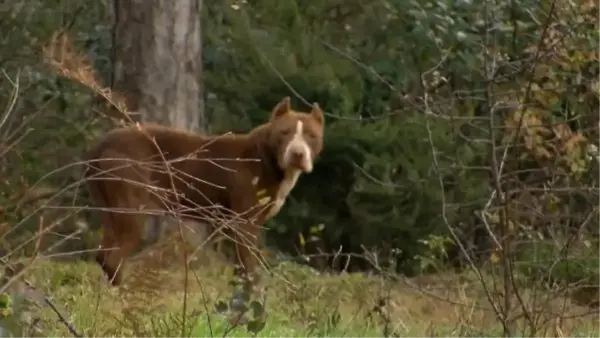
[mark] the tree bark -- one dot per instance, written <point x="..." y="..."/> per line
<point x="157" y="67"/>
<point x="157" y="60"/>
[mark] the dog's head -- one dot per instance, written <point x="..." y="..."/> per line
<point x="296" y="137"/>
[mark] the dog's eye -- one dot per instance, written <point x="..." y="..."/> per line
<point x="310" y="135"/>
<point x="286" y="132"/>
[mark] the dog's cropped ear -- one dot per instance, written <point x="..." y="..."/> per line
<point x="281" y="108"/>
<point x="317" y="113"/>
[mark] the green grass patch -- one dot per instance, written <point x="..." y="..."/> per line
<point x="297" y="301"/>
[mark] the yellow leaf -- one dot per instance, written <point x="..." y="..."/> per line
<point x="494" y="259"/>
<point x="511" y="226"/>
<point x="5" y="312"/>
<point x="315" y="229"/>
<point x="264" y="200"/>
<point x="493" y="218"/>
<point x="301" y="239"/>
<point x="261" y="192"/>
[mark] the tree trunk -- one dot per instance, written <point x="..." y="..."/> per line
<point x="157" y="60"/>
<point x="157" y="67"/>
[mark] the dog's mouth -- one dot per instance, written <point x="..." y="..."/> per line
<point x="297" y="162"/>
<point x="303" y="166"/>
<point x="303" y="163"/>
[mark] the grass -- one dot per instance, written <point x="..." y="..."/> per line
<point x="298" y="302"/>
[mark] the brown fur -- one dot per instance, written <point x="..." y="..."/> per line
<point x="206" y="171"/>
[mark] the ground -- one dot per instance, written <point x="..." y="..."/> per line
<point x="299" y="302"/>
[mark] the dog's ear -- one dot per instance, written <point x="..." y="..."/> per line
<point x="317" y="113"/>
<point x="281" y="108"/>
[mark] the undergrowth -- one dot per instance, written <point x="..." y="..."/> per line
<point x="293" y="301"/>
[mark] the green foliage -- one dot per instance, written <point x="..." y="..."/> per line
<point x="545" y="261"/>
<point x="16" y="315"/>
<point x="5" y="306"/>
<point x="377" y="169"/>
<point x="369" y="66"/>
<point x="44" y="133"/>
<point x="241" y="309"/>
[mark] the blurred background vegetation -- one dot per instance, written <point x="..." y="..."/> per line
<point x="409" y="99"/>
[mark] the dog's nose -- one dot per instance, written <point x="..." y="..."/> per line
<point x="297" y="154"/>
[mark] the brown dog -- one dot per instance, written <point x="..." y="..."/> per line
<point x="245" y="176"/>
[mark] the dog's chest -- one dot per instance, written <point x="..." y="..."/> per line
<point x="274" y="198"/>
